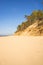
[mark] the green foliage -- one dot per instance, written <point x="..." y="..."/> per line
<point x="36" y="15"/>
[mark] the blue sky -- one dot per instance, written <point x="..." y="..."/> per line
<point x="12" y="13"/>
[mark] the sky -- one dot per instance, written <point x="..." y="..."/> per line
<point x="12" y="13"/>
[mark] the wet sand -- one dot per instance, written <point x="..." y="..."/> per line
<point x="21" y="50"/>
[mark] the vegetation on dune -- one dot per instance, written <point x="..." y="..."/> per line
<point x="36" y="15"/>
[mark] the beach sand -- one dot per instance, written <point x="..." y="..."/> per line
<point x="21" y="50"/>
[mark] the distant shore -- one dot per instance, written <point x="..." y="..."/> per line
<point x="6" y="35"/>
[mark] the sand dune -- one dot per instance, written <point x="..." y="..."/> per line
<point x="36" y="29"/>
<point x="19" y="50"/>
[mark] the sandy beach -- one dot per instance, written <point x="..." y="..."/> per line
<point x="21" y="50"/>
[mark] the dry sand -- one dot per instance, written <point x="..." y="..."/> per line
<point x="19" y="50"/>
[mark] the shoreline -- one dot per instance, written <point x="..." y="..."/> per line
<point x="21" y="50"/>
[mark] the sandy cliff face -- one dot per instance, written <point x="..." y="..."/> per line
<point x="35" y="29"/>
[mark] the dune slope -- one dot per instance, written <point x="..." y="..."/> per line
<point x="35" y="29"/>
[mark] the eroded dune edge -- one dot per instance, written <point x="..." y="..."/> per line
<point x="21" y="50"/>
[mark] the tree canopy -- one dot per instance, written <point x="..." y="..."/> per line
<point x="36" y="15"/>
